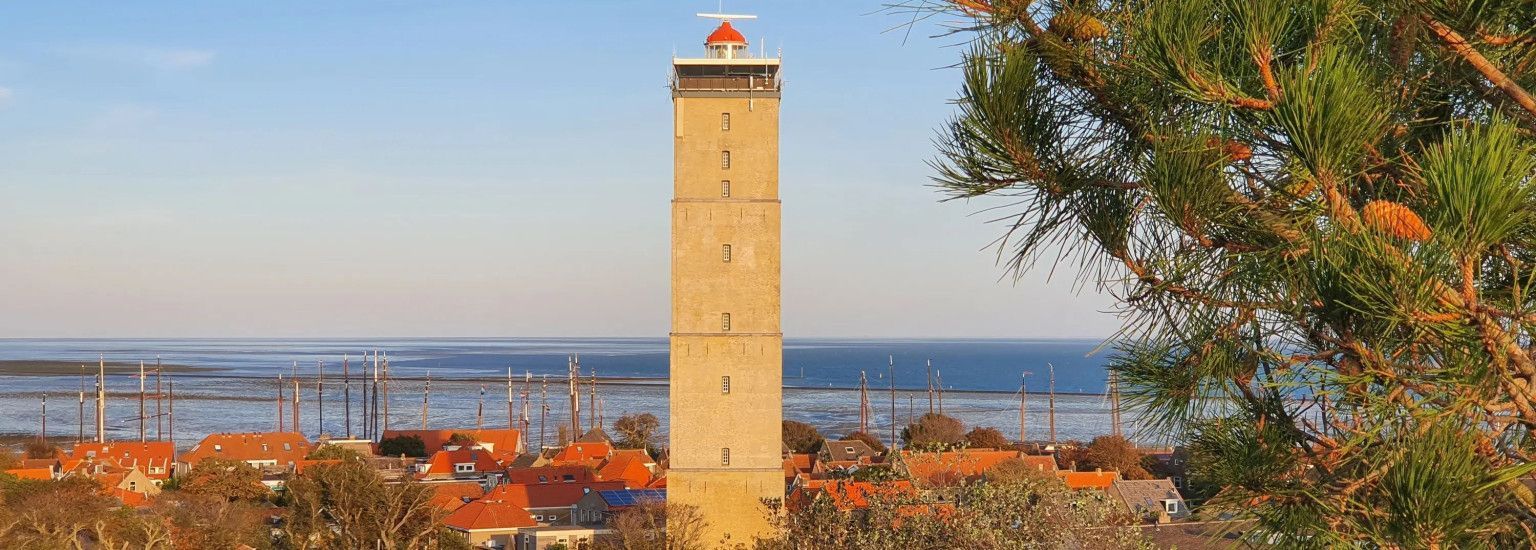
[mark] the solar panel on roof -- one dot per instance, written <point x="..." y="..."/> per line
<point x="631" y="497"/>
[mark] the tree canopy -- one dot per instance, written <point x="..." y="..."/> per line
<point x="801" y="437"/>
<point x="933" y="431"/>
<point x="1319" y="221"/>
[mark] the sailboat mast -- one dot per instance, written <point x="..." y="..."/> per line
<point x="1053" y="402"/>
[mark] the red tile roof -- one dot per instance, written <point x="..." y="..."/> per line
<point x="443" y="462"/>
<point x="489" y="514"/>
<point x="942" y="468"/>
<point x="498" y="441"/>
<point x="629" y="467"/>
<point x="1089" y="480"/>
<point x="849" y="495"/>
<point x="552" y="495"/>
<point x="582" y="452"/>
<point x="31" y="473"/>
<point x="300" y="466"/>
<point x="452" y="496"/>
<point x="153" y="457"/>
<point x="551" y="474"/>
<point x="283" y="447"/>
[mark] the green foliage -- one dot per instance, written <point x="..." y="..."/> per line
<point x="636" y="430"/>
<point x="986" y="438"/>
<point x="801" y="437"/>
<point x="1319" y="220"/>
<point x="934" y="432"/>
<point x="348" y="505"/>
<point x="1026" y="513"/>
<point x="404" y="445"/>
<point x="229" y="480"/>
<point x="334" y="452"/>
<point x="1113" y="452"/>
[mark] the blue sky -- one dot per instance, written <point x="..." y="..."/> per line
<point x="298" y="168"/>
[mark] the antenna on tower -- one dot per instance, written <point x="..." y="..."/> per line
<point x="725" y="16"/>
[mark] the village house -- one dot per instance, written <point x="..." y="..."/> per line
<point x="848" y="494"/>
<point x="504" y="444"/>
<point x="549" y="503"/>
<point x="848" y="450"/>
<point x="948" y="468"/>
<point x="488" y="522"/>
<point x="452" y="495"/>
<point x="590" y="453"/>
<point x="460" y="463"/>
<point x="155" y="458"/>
<point x="634" y="467"/>
<point x="1155" y="499"/>
<point x="598" y="507"/>
<point x="565" y="536"/>
<point x="1097" y="479"/>
<point x="280" y="450"/>
<point x="551" y="474"/>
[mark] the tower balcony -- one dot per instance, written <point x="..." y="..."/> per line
<point x="750" y="75"/>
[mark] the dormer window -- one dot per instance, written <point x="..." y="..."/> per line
<point x="1171" y="506"/>
<point x="217" y="448"/>
<point x="468" y="467"/>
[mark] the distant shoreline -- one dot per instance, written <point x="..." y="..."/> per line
<point x="44" y="367"/>
<point x="66" y="368"/>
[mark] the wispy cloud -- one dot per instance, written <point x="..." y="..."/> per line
<point x="164" y="59"/>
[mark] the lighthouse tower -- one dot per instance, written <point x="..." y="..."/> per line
<point x="726" y="345"/>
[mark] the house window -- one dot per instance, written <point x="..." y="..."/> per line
<point x="263" y="447"/>
<point x="848" y="450"/>
<point x="133" y="486"/>
<point x="543" y="479"/>
<point x="287" y="446"/>
<point x="725" y="253"/>
<point x="725" y="160"/>
<point x="725" y="456"/>
<point x="725" y="384"/>
<point x="725" y="121"/>
<point x="1178" y="482"/>
<point x="217" y="448"/>
<point x="1171" y="506"/>
<point x="725" y="188"/>
<point x="725" y="322"/>
<point x="463" y="468"/>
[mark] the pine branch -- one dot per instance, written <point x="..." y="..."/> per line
<point x="1456" y="43"/>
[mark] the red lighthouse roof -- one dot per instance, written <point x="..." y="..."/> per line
<point x="725" y="35"/>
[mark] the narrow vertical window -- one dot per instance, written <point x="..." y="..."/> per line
<point x="725" y="160"/>
<point x="725" y="322"/>
<point x="725" y="188"/>
<point x="725" y="456"/>
<point x="725" y="121"/>
<point x="725" y="384"/>
<point x="725" y="253"/>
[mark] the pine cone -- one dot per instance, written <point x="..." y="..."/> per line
<point x="1078" y="26"/>
<point x="1394" y="219"/>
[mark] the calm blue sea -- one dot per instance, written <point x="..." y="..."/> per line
<point x="981" y="376"/>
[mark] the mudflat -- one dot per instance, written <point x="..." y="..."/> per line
<point x="38" y="367"/>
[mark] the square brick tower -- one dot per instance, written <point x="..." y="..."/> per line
<point x="726" y="345"/>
